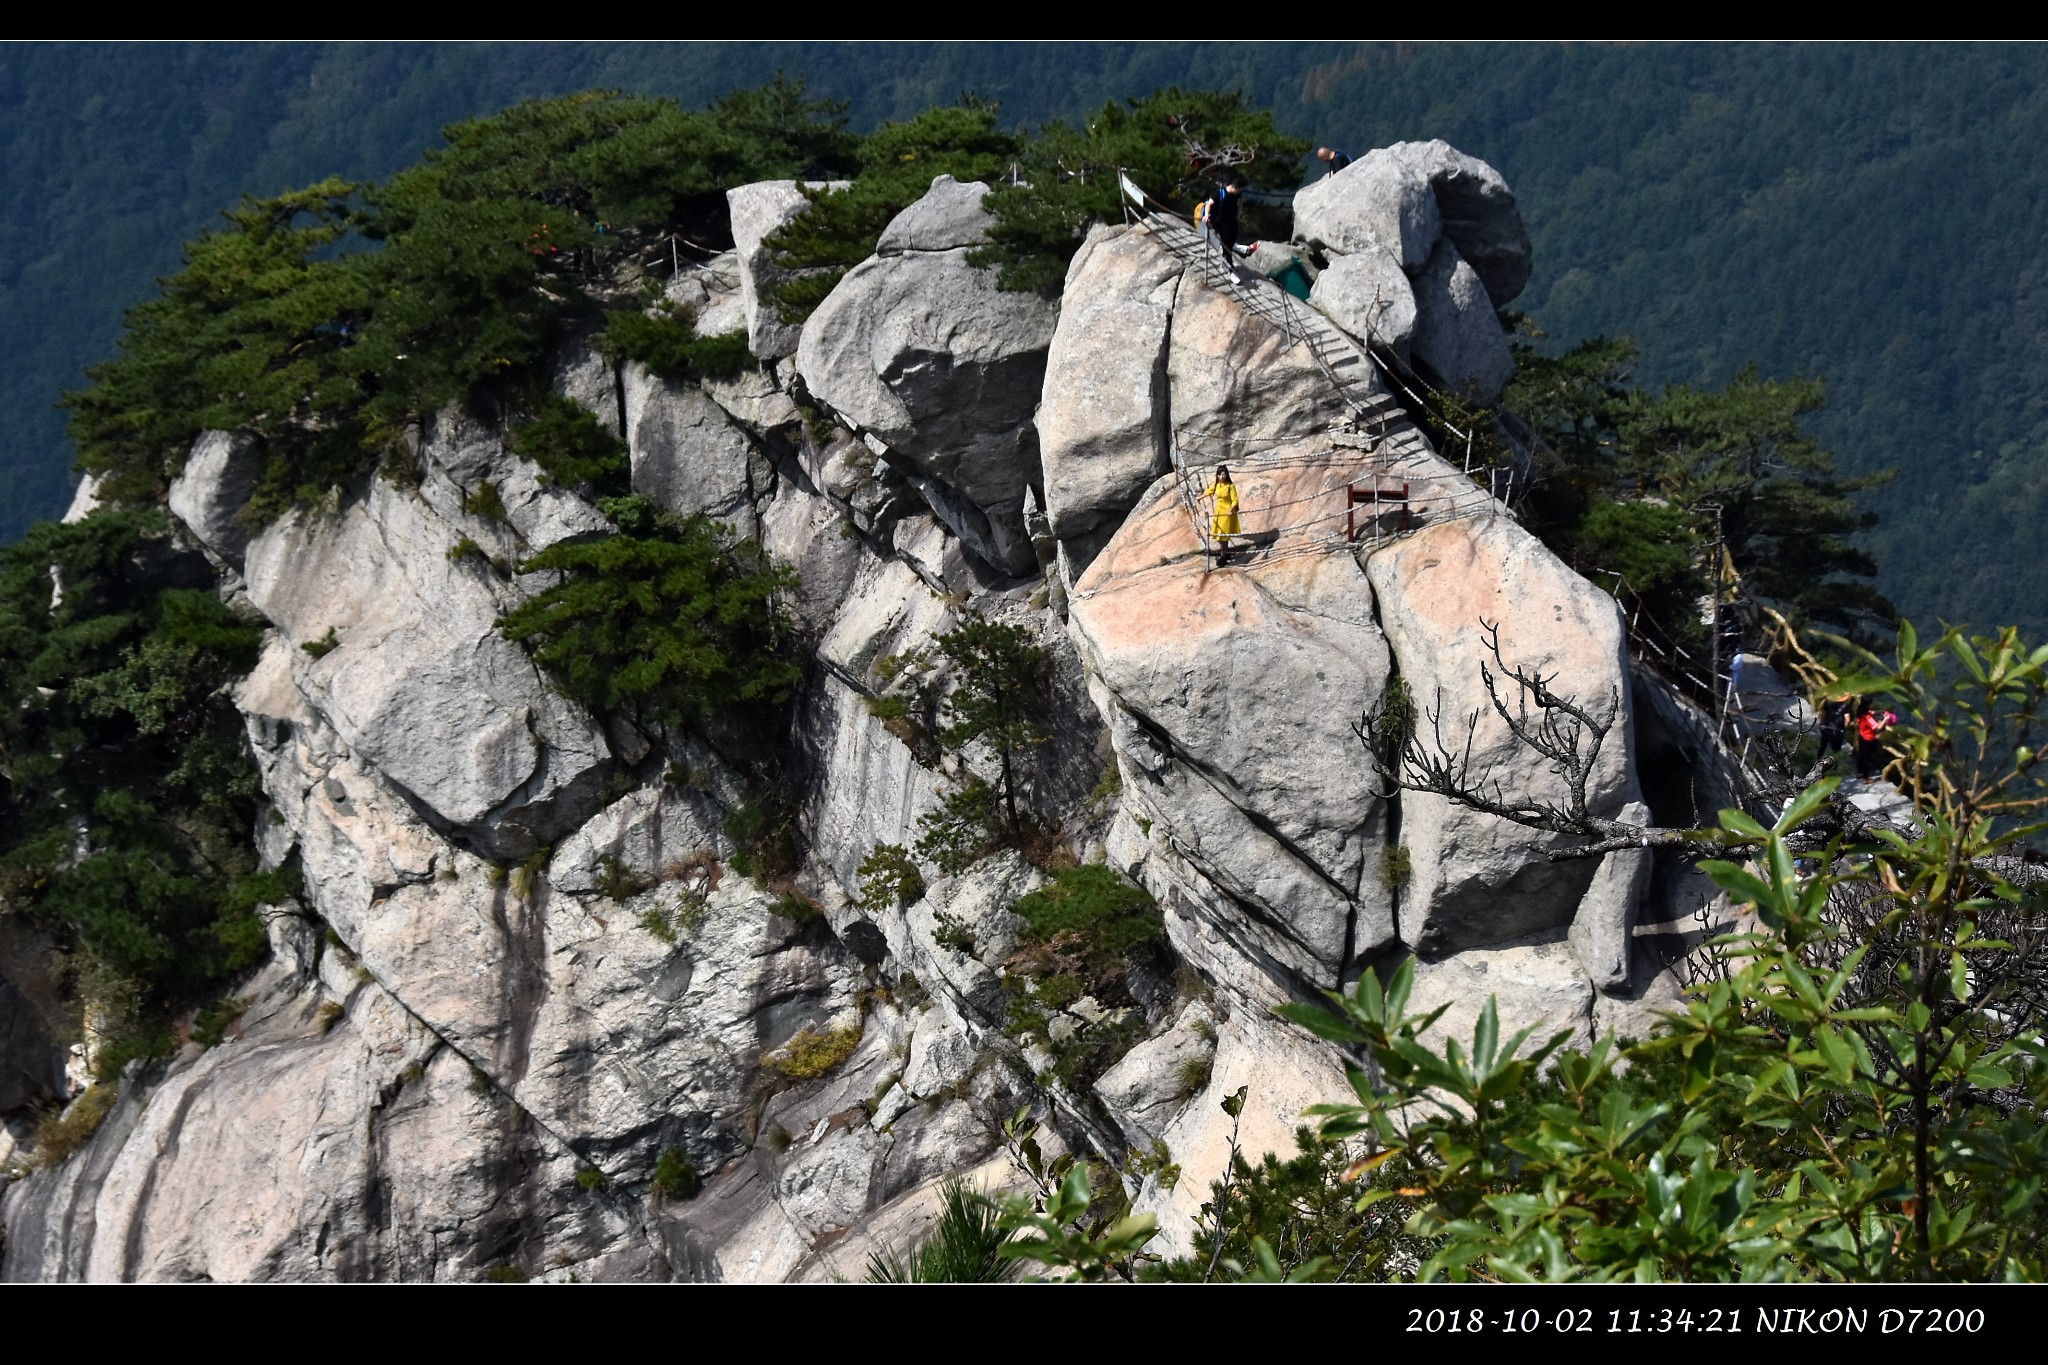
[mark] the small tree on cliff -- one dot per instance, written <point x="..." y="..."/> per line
<point x="994" y="712"/>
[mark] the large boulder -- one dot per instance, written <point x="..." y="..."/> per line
<point x="1406" y="198"/>
<point x="1239" y="385"/>
<point x="1457" y="330"/>
<point x="336" y="1138"/>
<point x="418" y="681"/>
<point x="757" y="210"/>
<point x="1478" y="879"/>
<point x="923" y="353"/>
<point x="949" y="215"/>
<point x="1103" y="425"/>
<point x="687" y="453"/>
<point x="1201" y="667"/>
<point x="1478" y="213"/>
<point x="459" y="454"/>
<point x="215" y="485"/>
<point x="1369" y="296"/>
<point x="1376" y="201"/>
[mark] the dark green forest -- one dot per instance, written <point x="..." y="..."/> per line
<point x="1867" y="214"/>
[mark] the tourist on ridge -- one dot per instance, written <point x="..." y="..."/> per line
<point x="1834" y="723"/>
<point x="1871" y="723"/>
<point x="1223" y="521"/>
<point x="1332" y="159"/>
<point x="1222" y="213"/>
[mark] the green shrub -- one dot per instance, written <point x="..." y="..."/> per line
<point x="323" y="646"/>
<point x="797" y="908"/>
<point x="666" y="618"/>
<point x="951" y="932"/>
<point x="323" y="320"/>
<point x="464" y="548"/>
<point x="573" y="448"/>
<point x="764" y="838"/>
<point x="506" y="1274"/>
<point x="964" y="1245"/>
<point x="590" y="1180"/>
<point x="668" y="344"/>
<point x="889" y="879"/>
<point x="211" y="1024"/>
<point x="1306" y="1208"/>
<point x="617" y="882"/>
<point x="674" y="1176"/>
<point x="484" y="501"/>
<point x="62" y="1133"/>
<point x="1397" y="867"/>
<point x="1165" y="141"/>
<point x="128" y="792"/>
<point x="1093" y="914"/>
<point x="813" y="1052"/>
<point x="898" y="162"/>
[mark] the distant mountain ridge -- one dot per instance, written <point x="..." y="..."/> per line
<point x="1862" y="211"/>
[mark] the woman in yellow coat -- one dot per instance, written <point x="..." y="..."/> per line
<point x="1223" y="512"/>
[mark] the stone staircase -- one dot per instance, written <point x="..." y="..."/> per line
<point x="1351" y="369"/>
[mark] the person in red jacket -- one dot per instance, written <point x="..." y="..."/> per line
<point x="1871" y="723"/>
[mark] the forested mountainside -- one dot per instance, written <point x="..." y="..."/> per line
<point x="1861" y="212"/>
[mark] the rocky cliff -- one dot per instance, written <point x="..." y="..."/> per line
<point x="528" y="1019"/>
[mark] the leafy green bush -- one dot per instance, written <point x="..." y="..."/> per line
<point x="1306" y="1209"/>
<point x="211" y="1024"/>
<point x="323" y="320"/>
<point x="1171" y="142"/>
<point x="1094" y="915"/>
<point x="665" y="618"/>
<point x="62" y="1133"/>
<point x="813" y="1052"/>
<point x="670" y="345"/>
<point x="126" y="786"/>
<point x="573" y="448"/>
<point x="485" y="501"/>
<point x="674" y="1176"/>
<point x="888" y="879"/>
<point x="763" y="834"/>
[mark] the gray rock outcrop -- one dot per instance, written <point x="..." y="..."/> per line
<point x="923" y="353"/>
<point x="1376" y="201"/>
<point x="218" y="479"/>
<point x="1367" y="295"/>
<point x="757" y="210"/>
<point x="525" y="973"/>
<point x="949" y="215"/>
<point x="1426" y="245"/>
<point x="687" y="453"/>
<point x="1457" y="333"/>
<point x="1105" y="432"/>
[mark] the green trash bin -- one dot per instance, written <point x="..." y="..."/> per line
<point x="1293" y="277"/>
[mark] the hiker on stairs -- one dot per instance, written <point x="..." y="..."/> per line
<point x="1222" y="214"/>
<point x="1223" y="522"/>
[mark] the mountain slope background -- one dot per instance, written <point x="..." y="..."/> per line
<point x="1870" y="213"/>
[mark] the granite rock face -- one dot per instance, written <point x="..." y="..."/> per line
<point x="215" y="485"/>
<point x="530" y="1017"/>
<point x="1443" y="224"/>
<point x="920" y="352"/>
<point x="1105" y="430"/>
